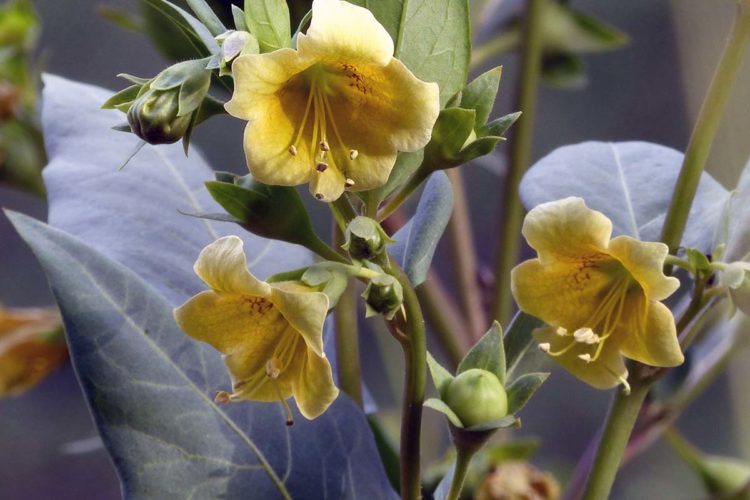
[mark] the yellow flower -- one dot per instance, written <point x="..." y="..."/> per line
<point x="599" y="296"/>
<point x="335" y="111"/>
<point x="271" y="334"/>
<point x="31" y="347"/>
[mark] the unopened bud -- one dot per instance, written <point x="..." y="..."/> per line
<point x="383" y="295"/>
<point x="365" y="239"/>
<point x="153" y="117"/>
<point x="477" y="397"/>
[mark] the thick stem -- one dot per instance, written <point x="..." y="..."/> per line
<point x="619" y="424"/>
<point x="411" y="331"/>
<point x="464" y="257"/>
<point x="511" y="211"/>
<point x="706" y="127"/>
<point x="463" y="459"/>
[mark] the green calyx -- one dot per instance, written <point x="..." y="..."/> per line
<point x="154" y="117"/>
<point x="383" y="295"/>
<point x="477" y="397"/>
<point x="365" y="239"/>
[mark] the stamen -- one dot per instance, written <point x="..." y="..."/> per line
<point x="274" y="367"/>
<point x="586" y="336"/>
<point x="324" y="146"/>
<point x="349" y="183"/>
<point x="321" y="167"/>
<point x="319" y="196"/>
<point x="585" y="357"/>
<point x="304" y="120"/>
<point x="222" y="397"/>
<point x="561" y="331"/>
<point x="545" y="347"/>
<point x="293" y="150"/>
<point x="353" y="153"/>
<point x="285" y="405"/>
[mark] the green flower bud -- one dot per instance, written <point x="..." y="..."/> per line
<point x="383" y="295"/>
<point x="477" y="397"/>
<point x="365" y="239"/>
<point x="154" y="117"/>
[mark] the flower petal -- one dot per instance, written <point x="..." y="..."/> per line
<point x="652" y="340"/>
<point x="645" y="261"/>
<point x="313" y="388"/>
<point x="561" y="293"/>
<point x="327" y="186"/>
<point x="604" y="373"/>
<point x="566" y="229"/>
<point x="381" y="110"/>
<point x="222" y="265"/>
<point x="340" y="30"/>
<point x="304" y="309"/>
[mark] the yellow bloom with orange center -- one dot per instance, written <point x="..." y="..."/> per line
<point x="334" y="112"/>
<point x="599" y="296"/>
<point x="271" y="334"/>
<point x="31" y="347"/>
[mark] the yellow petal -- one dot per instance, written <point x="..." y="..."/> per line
<point x="313" y="388"/>
<point x="327" y="186"/>
<point x="340" y="30"/>
<point x="645" y="261"/>
<point x="566" y="229"/>
<point x="604" y="373"/>
<point x="653" y="339"/>
<point x="382" y="110"/>
<point x="222" y="265"/>
<point x="562" y="293"/>
<point x="304" y="309"/>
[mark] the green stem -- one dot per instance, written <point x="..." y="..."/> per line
<point x="503" y="42"/>
<point x="402" y="195"/>
<point x="511" y="210"/>
<point x="706" y="127"/>
<point x="322" y="249"/>
<point x="463" y="459"/>
<point x="207" y="16"/>
<point x="347" y="344"/>
<point x="671" y="260"/>
<point x="686" y="451"/>
<point x="619" y="424"/>
<point x="411" y="331"/>
<point x="343" y="211"/>
<point x="464" y="257"/>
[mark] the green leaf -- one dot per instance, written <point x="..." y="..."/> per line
<point x="440" y="376"/>
<point x="269" y="21"/>
<point x="176" y="31"/>
<point x="629" y="182"/>
<point x="480" y="94"/>
<point x="570" y="31"/>
<point x="501" y="423"/>
<point x="522" y="388"/>
<point x="208" y="17"/>
<point x="449" y="135"/>
<point x="406" y="165"/>
<point x="150" y="388"/>
<point x="434" y="41"/>
<point x="417" y="240"/>
<point x="487" y="354"/>
<point x="123" y="97"/>
<point x="443" y="408"/>
<point x="193" y="92"/>
<point x="498" y="127"/>
<point x="479" y="147"/>
<point x="518" y="339"/>
<point x="178" y="74"/>
<point x="238" y="17"/>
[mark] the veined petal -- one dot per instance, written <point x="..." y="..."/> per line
<point x="341" y="30"/>
<point x="566" y="229"/>
<point x="645" y="261"/>
<point x="650" y="335"/>
<point x="222" y="265"/>
<point x="382" y="109"/>
<point x="604" y="373"/>
<point x="561" y="293"/>
<point x="313" y="387"/>
<point x="304" y="309"/>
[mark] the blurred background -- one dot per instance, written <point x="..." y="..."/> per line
<point x="648" y="90"/>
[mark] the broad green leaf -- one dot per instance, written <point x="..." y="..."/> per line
<point x="487" y="354"/>
<point x="434" y="41"/>
<point x="269" y="21"/>
<point x="449" y="135"/>
<point x="133" y="215"/>
<point x="522" y="388"/>
<point x="151" y="390"/>
<point x="629" y="182"/>
<point x="176" y="31"/>
<point x="440" y="376"/>
<point x="518" y="340"/>
<point x="417" y="240"/>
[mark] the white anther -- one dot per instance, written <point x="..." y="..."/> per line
<point x="353" y="153"/>
<point x="586" y="336"/>
<point x="293" y="150"/>
<point x="545" y="347"/>
<point x="324" y="146"/>
<point x="273" y="368"/>
<point x="348" y="183"/>
<point x="561" y="331"/>
<point x="585" y="357"/>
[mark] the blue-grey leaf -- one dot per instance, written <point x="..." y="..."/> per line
<point x="133" y="215"/>
<point x="417" y="240"/>
<point x="150" y="388"/>
<point x="629" y="182"/>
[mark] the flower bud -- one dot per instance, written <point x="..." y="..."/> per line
<point x="365" y="239"/>
<point x="477" y="397"/>
<point x="154" y="117"/>
<point x="383" y="295"/>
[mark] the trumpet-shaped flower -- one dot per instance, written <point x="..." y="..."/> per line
<point x="599" y="296"/>
<point x="335" y="111"/>
<point x="271" y="334"/>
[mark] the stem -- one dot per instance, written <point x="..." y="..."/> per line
<point x="463" y="459"/>
<point x="411" y="330"/>
<point x="686" y="451"/>
<point x="464" y="257"/>
<point x="347" y="344"/>
<point x="399" y="198"/>
<point x="322" y="249"/>
<point x="503" y="42"/>
<point x="619" y="424"/>
<point x="445" y="319"/>
<point x="511" y="211"/>
<point x="706" y="127"/>
<point x="207" y="16"/>
<point x="343" y="211"/>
